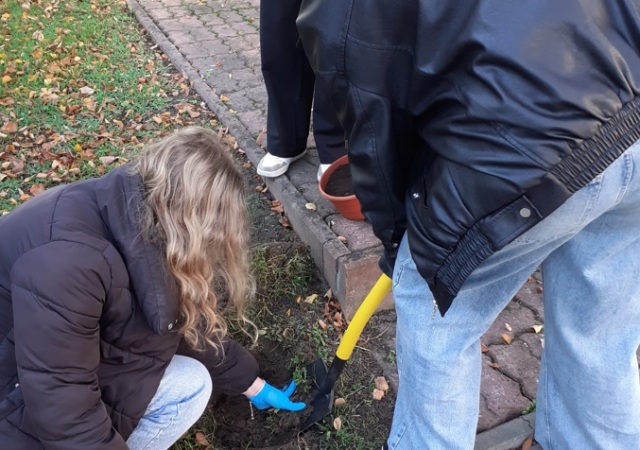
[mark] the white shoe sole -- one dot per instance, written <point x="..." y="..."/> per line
<point x="283" y="169"/>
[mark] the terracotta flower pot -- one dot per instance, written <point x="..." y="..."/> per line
<point x="347" y="205"/>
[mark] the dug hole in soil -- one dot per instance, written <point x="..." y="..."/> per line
<point x="364" y="421"/>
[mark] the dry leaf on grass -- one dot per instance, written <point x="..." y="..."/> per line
<point x="310" y="299"/>
<point x="202" y="440"/>
<point x="339" y="401"/>
<point x="9" y="127"/>
<point x="337" y="423"/>
<point x="378" y="394"/>
<point x="381" y="384"/>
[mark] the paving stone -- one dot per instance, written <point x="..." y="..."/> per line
<point x="520" y="362"/>
<point x="253" y="120"/>
<point x="211" y="20"/>
<point x="171" y="26"/>
<point x="514" y="320"/>
<point x="501" y="398"/>
<point x="160" y="14"/>
<point x="180" y="37"/>
<point x="204" y="34"/>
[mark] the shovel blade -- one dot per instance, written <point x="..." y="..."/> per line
<point x="321" y="403"/>
<point x="324" y="383"/>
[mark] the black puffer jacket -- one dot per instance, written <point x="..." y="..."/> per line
<point x="469" y="122"/>
<point x="86" y="317"/>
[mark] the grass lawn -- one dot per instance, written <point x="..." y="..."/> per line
<point x="79" y="93"/>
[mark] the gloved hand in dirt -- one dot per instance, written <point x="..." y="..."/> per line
<point x="271" y="397"/>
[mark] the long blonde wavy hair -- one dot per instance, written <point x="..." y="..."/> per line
<point x="195" y="207"/>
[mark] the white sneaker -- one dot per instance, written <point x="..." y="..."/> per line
<point x="273" y="166"/>
<point x="322" y="169"/>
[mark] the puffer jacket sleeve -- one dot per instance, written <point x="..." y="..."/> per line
<point x="58" y="291"/>
<point x="232" y="367"/>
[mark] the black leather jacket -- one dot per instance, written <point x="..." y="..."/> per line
<point x="470" y="122"/>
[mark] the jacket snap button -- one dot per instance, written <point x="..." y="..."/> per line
<point x="525" y="212"/>
<point x="394" y="245"/>
<point x="170" y="327"/>
<point x="17" y="384"/>
<point x="416" y="195"/>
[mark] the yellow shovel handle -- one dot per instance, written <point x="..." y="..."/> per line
<point x="362" y="316"/>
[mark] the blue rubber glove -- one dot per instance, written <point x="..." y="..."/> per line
<point x="270" y="397"/>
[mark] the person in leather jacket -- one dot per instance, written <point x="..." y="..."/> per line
<point x="112" y="332"/>
<point x="487" y="139"/>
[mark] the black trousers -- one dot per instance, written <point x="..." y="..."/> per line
<point x="292" y="88"/>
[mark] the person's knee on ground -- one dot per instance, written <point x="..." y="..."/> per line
<point x="179" y="402"/>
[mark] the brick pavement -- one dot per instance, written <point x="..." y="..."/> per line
<point x="216" y="44"/>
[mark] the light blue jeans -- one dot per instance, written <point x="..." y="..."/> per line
<point x="589" y="390"/>
<point x="179" y="402"/>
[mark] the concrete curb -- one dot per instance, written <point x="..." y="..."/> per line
<point x="507" y="436"/>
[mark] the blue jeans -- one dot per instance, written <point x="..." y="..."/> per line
<point x="179" y="402"/>
<point x="589" y="391"/>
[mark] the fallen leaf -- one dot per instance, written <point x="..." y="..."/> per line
<point x="342" y="239"/>
<point x="9" y="127"/>
<point x="224" y="98"/>
<point x="494" y="365"/>
<point x="381" y="384"/>
<point x="508" y="327"/>
<point x="378" y="394"/>
<point x="37" y="188"/>
<point x="484" y="348"/>
<point x="86" y="90"/>
<point x="337" y="423"/>
<point x="261" y="136"/>
<point x="202" y="440"/>
<point x="526" y="445"/>
<point x="323" y="325"/>
<point x="298" y="298"/>
<point x="537" y="328"/>
<point x="284" y="221"/>
<point x="339" y="401"/>
<point x="506" y="338"/>
<point x="106" y="160"/>
<point x="311" y="206"/>
<point x="310" y="299"/>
